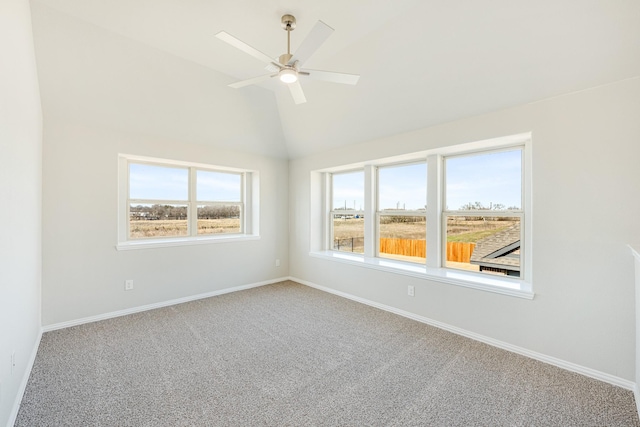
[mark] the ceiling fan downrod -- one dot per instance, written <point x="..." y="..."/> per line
<point x="288" y="24"/>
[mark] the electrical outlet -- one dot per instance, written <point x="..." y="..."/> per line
<point x="411" y="291"/>
<point x="128" y="285"/>
<point x="277" y="263"/>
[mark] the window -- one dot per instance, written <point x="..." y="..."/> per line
<point x="347" y="212"/>
<point x="402" y="212"/>
<point x="483" y="212"/>
<point x="158" y="201"/>
<point x="164" y="202"/>
<point x="219" y="199"/>
<point x="455" y="214"/>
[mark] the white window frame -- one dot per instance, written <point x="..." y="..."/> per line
<point x="248" y="205"/>
<point x="516" y="213"/>
<point x="193" y="223"/>
<point x="333" y="211"/>
<point x="389" y="212"/>
<point x="436" y="215"/>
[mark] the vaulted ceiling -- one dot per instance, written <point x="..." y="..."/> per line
<point x="155" y="66"/>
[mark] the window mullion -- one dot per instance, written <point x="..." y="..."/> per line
<point x="435" y="194"/>
<point x="192" y="210"/>
<point x="370" y="242"/>
<point x="327" y="208"/>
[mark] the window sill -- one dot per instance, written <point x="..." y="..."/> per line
<point x="501" y="285"/>
<point x="182" y="241"/>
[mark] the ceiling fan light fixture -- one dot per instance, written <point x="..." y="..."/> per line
<point x="288" y="67"/>
<point x="288" y="75"/>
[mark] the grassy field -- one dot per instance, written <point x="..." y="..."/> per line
<point x="457" y="230"/>
<point x="473" y="230"/>
<point x="171" y="228"/>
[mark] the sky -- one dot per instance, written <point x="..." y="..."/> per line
<point x="348" y="190"/>
<point x="492" y="178"/>
<point x="168" y="183"/>
<point x="487" y="178"/>
<point x="403" y="187"/>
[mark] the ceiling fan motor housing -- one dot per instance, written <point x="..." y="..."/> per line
<point x="288" y="22"/>
<point x="285" y="58"/>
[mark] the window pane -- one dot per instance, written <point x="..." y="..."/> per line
<point x="348" y="191"/>
<point x="403" y="238"/>
<point x="403" y="187"/>
<point x="218" y="219"/>
<point x="348" y="233"/>
<point x="157" y="221"/>
<point x="218" y="186"/>
<point x="490" y="181"/>
<point x="486" y="244"/>
<point x="158" y="182"/>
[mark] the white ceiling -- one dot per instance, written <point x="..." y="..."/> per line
<point x="422" y="62"/>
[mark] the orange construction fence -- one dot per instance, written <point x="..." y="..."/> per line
<point x="456" y="251"/>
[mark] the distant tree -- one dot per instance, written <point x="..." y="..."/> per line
<point x="476" y="206"/>
<point x="396" y="219"/>
<point x="216" y="212"/>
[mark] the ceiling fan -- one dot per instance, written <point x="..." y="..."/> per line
<point x="288" y="66"/>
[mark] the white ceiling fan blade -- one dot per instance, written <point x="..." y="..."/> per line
<point x="330" y="76"/>
<point x="318" y="35"/>
<point x="297" y="93"/>
<point x="239" y="44"/>
<point x="243" y="83"/>
<point x="272" y="68"/>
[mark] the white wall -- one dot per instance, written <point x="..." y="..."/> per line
<point x="20" y="196"/>
<point x="104" y="94"/>
<point x="586" y="184"/>
<point x="83" y="273"/>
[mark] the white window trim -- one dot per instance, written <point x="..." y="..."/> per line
<point x="333" y="211"/>
<point x="390" y="212"/>
<point x="249" y="205"/>
<point x="519" y="287"/>
<point x="484" y="282"/>
<point x="516" y="213"/>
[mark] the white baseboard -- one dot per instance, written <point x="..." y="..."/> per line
<point x="25" y="380"/>
<point x="636" y="395"/>
<point x="141" y="308"/>
<point x="592" y="373"/>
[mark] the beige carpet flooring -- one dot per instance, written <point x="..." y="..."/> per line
<point x="289" y="355"/>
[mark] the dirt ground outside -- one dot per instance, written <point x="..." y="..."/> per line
<point x="458" y="230"/>
<point x="172" y="228"/>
